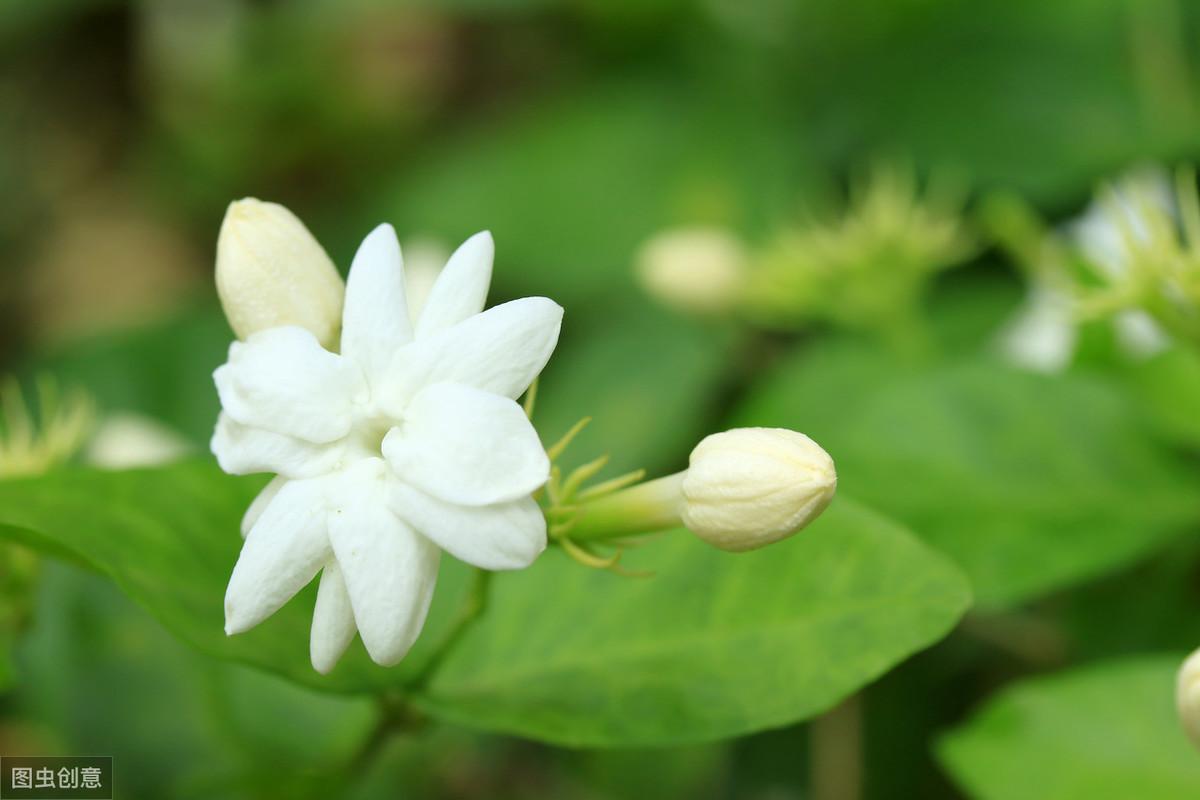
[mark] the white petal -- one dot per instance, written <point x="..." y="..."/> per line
<point x="500" y="536"/>
<point x="1140" y="335"/>
<point x="260" y="503"/>
<point x="281" y="380"/>
<point x="501" y="351"/>
<point x="461" y="289"/>
<point x="1042" y="335"/>
<point x="467" y="446"/>
<point x="282" y="553"/>
<point x="390" y="570"/>
<point x="333" y="625"/>
<point x="375" y="320"/>
<point x="242" y="450"/>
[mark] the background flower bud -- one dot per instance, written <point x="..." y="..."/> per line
<point x="272" y="272"/>
<point x="749" y="487"/>
<point x="695" y="269"/>
<point x="1187" y="696"/>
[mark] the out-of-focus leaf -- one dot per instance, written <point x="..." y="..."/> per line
<point x="1031" y="483"/>
<point x="163" y="370"/>
<point x="647" y="381"/>
<point x="572" y="188"/>
<point x="713" y="645"/>
<point x="1112" y="85"/>
<point x="1168" y="387"/>
<point x="1104" y="732"/>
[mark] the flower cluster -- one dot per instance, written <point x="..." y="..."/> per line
<point x="404" y="441"/>
<point x="1118" y="260"/>
<point x="863" y="270"/>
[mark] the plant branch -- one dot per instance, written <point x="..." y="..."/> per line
<point x="472" y="609"/>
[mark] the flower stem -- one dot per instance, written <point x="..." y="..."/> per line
<point x="472" y="608"/>
<point x="645" y="508"/>
<point x="836" y="752"/>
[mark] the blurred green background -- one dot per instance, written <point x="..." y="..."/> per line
<point x="574" y="130"/>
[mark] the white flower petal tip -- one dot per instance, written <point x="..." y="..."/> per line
<point x="375" y="318"/>
<point x="461" y="289"/>
<point x="1187" y="697"/>
<point x="502" y="536"/>
<point x="467" y="446"/>
<point x="333" y="625"/>
<point x="500" y="351"/>
<point x="750" y="487"/>
<point x="271" y="271"/>
<point x="389" y="569"/>
<point x="282" y="553"/>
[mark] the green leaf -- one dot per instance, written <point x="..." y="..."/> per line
<point x="169" y="538"/>
<point x="1098" y="733"/>
<point x="713" y="645"/>
<point x="1031" y="483"/>
<point x="1168" y="387"/>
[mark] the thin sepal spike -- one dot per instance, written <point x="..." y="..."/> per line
<point x="557" y="449"/>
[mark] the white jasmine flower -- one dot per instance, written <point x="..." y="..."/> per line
<point x="406" y="442"/>
<point x="1043" y="335"/>
<point x="750" y="487"/>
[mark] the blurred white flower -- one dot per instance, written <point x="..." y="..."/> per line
<point x="749" y="487"/>
<point x="406" y="441"/>
<point x="1187" y="696"/>
<point x="1043" y="334"/>
<point x="126" y="440"/>
<point x="423" y="262"/>
<point x="700" y="270"/>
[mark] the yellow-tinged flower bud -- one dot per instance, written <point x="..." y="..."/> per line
<point x="696" y="269"/>
<point x="1187" y="696"/>
<point x="749" y="487"/>
<point x="272" y="272"/>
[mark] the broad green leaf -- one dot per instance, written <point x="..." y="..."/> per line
<point x="1104" y="732"/>
<point x="169" y="538"/>
<point x="1030" y="483"/>
<point x="713" y="645"/>
<point x="1168" y="387"/>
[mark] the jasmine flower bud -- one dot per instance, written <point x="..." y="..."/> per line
<point x="694" y="269"/>
<point x="272" y="272"/>
<point x="1187" y="697"/>
<point x="749" y="487"/>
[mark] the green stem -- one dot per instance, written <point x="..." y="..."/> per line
<point x="472" y="609"/>
<point x="395" y="716"/>
<point x="645" y="508"/>
<point x="836" y="752"/>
